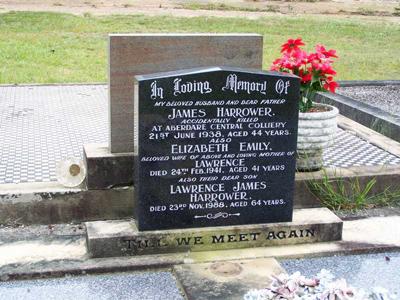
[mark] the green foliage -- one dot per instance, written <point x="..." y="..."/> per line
<point x="340" y="193"/>
<point x="40" y="47"/>
<point x="305" y="104"/>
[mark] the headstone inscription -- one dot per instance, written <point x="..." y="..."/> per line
<point x="214" y="146"/>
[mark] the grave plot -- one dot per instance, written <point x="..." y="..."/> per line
<point x="183" y="160"/>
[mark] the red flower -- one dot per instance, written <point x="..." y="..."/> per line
<point x="292" y="44"/>
<point x="276" y="65"/>
<point x="294" y="60"/>
<point x="331" y="85"/>
<point x="315" y="68"/>
<point x="305" y="76"/>
<point x="323" y="66"/>
<point x="327" y="69"/>
<point x="320" y="49"/>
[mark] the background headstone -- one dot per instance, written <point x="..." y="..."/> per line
<point x="135" y="54"/>
<point x="214" y="146"/>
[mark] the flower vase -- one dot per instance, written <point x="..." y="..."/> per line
<point x="316" y="132"/>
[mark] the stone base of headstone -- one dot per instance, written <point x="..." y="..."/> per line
<point x="121" y="238"/>
<point x="105" y="169"/>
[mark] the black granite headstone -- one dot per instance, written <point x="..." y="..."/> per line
<point x="214" y="146"/>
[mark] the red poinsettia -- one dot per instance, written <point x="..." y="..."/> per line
<point x="305" y="76"/>
<point x="328" y="53"/>
<point x="292" y="44"/>
<point x="315" y="69"/>
<point x="330" y="85"/>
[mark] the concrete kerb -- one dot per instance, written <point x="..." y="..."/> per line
<point x="106" y="170"/>
<point x="349" y="83"/>
<point x="59" y="268"/>
<point x="152" y="263"/>
<point x="49" y="203"/>
<point x="93" y="266"/>
<point x="373" y="117"/>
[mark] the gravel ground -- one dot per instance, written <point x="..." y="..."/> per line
<point x="386" y="97"/>
<point x="361" y="271"/>
<point x="132" y="286"/>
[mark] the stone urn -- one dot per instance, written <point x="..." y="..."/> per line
<point x="316" y="132"/>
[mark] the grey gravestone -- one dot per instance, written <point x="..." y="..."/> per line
<point x="134" y="54"/>
<point x="214" y="146"/>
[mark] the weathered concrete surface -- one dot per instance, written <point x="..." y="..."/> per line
<point x="33" y="245"/>
<point x="39" y="267"/>
<point x="33" y="251"/>
<point x="227" y="279"/>
<point x="119" y="238"/>
<point x="44" y="203"/>
<point x="139" y="54"/>
<point x="17" y="233"/>
<point x="388" y="211"/>
<point x="60" y="249"/>
<point x="106" y="170"/>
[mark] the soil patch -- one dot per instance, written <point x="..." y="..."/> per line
<point x="371" y="9"/>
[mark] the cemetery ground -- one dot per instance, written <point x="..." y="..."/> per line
<point x="360" y="179"/>
<point x="222" y="8"/>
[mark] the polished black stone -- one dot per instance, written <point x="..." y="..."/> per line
<point x="214" y="146"/>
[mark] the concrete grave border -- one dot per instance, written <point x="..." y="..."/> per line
<point x="373" y="117"/>
<point x="359" y="236"/>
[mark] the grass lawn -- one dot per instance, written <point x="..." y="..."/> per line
<point x="51" y="47"/>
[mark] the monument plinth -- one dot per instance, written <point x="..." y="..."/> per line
<point x="122" y="238"/>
